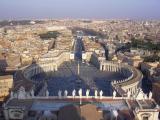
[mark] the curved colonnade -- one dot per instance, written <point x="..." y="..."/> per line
<point x="132" y="81"/>
<point x="45" y="65"/>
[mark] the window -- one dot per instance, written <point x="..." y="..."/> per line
<point x="145" y="118"/>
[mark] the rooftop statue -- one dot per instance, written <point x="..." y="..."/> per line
<point x="73" y="93"/>
<point x="150" y="95"/>
<point x="95" y="93"/>
<point x="87" y="92"/>
<point x="65" y="93"/>
<point x="114" y="94"/>
<point x="47" y="93"/>
<point x="80" y="92"/>
<point x="21" y="93"/>
<point x="59" y="93"/>
<point x="128" y="94"/>
<point x="32" y="93"/>
<point x="140" y="95"/>
<point x="101" y="94"/>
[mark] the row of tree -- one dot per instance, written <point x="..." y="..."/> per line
<point x="49" y="35"/>
<point x="152" y="58"/>
<point x="148" y="45"/>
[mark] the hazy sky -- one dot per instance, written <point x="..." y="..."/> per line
<point x="100" y="9"/>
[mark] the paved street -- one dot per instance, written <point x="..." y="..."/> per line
<point x="78" y="49"/>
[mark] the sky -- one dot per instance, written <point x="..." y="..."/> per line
<point x="79" y="9"/>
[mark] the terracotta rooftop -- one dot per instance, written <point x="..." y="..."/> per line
<point x="6" y="77"/>
<point x="90" y="112"/>
<point x="70" y="112"/>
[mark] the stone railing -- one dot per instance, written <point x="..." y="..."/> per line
<point x="63" y="95"/>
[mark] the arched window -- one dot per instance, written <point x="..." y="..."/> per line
<point x="145" y="116"/>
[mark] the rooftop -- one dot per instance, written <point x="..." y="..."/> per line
<point x="6" y="77"/>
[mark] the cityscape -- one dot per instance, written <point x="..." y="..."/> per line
<point x="79" y="69"/>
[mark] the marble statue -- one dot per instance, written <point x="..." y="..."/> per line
<point x="59" y="93"/>
<point x="21" y="93"/>
<point x="96" y="93"/>
<point x="87" y="93"/>
<point x="145" y="96"/>
<point x="80" y="92"/>
<point x="47" y="93"/>
<point x="73" y="93"/>
<point x="140" y="95"/>
<point x="114" y="94"/>
<point x="32" y="93"/>
<point x="128" y="94"/>
<point x="101" y="94"/>
<point x="65" y="93"/>
<point x="150" y="95"/>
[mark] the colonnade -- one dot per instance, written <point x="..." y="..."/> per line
<point x="132" y="80"/>
<point x="50" y="64"/>
<point x="112" y="67"/>
<point x="37" y="69"/>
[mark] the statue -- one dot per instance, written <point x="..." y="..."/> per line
<point x="140" y="95"/>
<point x="114" y="94"/>
<point x="59" y="93"/>
<point x="128" y="94"/>
<point x="47" y="93"/>
<point x="21" y="93"/>
<point x="32" y="93"/>
<point x="145" y="96"/>
<point x="101" y="94"/>
<point x="80" y="92"/>
<point x="65" y="93"/>
<point x="95" y="93"/>
<point x="150" y="95"/>
<point x="87" y="93"/>
<point x="73" y="93"/>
